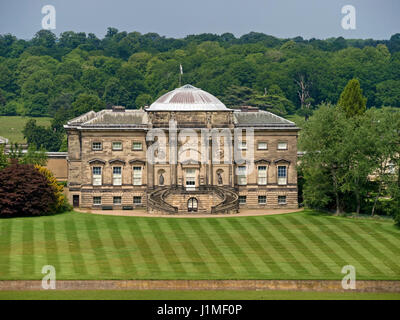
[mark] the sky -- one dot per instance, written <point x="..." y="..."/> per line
<point x="377" y="19"/>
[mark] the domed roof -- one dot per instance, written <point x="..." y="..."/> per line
<point x="187" y="98"/>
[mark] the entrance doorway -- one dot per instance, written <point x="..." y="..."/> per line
<point x="192" y="205"/>
<point x="75" y="200"/>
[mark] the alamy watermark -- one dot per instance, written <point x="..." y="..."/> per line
<point x="349" y="280"/>
<point x="49" y="280"/>
<point x="49" y="20"/>
<point x="349" y="20"/>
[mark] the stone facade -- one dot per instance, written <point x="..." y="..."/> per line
<point x="108" y="166"/>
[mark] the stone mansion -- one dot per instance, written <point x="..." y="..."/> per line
<point x="192" y="167"/>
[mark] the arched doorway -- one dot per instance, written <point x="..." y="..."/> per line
<point x="192" y="205"/>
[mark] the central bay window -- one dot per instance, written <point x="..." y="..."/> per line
<point x="242" y="176"/>
<point x="262" y="175"/>
<point x="96" y="176"/>
<point x="117" y="176"/>
<point x="137" y="176"/>
<point x="190" y="179"/>
<point x="282" y="175"/>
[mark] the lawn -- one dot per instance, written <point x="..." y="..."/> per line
<point x="303" y="245"/>
<point x="11" y="127"/>
<point x="191" y="295"/>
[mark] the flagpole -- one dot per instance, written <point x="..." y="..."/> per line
<point x="180" y="74"/>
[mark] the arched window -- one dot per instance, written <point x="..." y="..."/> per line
<point x="192" y="205"/>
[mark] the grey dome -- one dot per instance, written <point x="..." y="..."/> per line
<point x="187" y="98"/>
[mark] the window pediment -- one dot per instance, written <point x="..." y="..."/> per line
<point x="281" y="160"/>
<point x="262" y="161"/>
<point x="137" y="161"/>
<point x="116" y="161"/>
<point x="97" y="161"/>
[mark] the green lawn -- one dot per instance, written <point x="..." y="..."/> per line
<point x="302" y="245"/>
<point x="191" y="295"/>
<point x="11" y="127"/>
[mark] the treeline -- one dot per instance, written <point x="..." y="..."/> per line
<point x="63" y="77"/>
<point x="351" y="159"/>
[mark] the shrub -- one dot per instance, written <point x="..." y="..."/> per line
<point x="25" y="192"/>
<point x="61" y="203"/>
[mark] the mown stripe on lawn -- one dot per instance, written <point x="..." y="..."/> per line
<point x="144" y="248"/>
<point x="312" y="258"/>
<point x="370" y="247"/>
<point x="120" y="246"/>
<point x="190" y="250"/>
<point x="167" y="249"/>
<point x="211" y="247"/>
<point x="5" y="247"/>
<point x="28" y="247"/>
<point x="51" y="245"/>
<point x="74" y="247"/>
<point x="346" y="246"/>
<point x="319" y="242"/>
<point x="378" y="235"/>
<point x="97" y="246"/>
<point x="283" y="251"/>
<point x="230" y="243"/>
<point x="263" y="255"/>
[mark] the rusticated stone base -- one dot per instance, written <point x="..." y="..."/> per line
<point x="291" y="285"/>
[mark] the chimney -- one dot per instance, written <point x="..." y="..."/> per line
<point x="118" y="109"/>
<point x="248" y="109"/>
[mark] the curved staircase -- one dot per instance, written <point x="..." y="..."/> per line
<point x="229" y="202"/>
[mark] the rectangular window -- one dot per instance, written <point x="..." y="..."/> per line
<point x="281" y="199"/>
<point x="190" y="179"/>
<point x="96" y="146"/>
<point x="117" y="200"/>
<point x="96" y="176"/>
<point x="282" y="175"/>
<point x="242" y="199"/>
<point x="262" y="146"/>
<point x="137" y="176"/>
<point x="262" y="199"/>
<point x="136" y="146"/>
<point x="116" y="146"/>
<point x="243" y="145"/>
<point x="137" y="200"/>
<point x="262" y="175"/>
<point x="117" y="176"/>
<point x="96" y="200"/>
<point x="242" y="176"/>
<point x="282" y="145"/>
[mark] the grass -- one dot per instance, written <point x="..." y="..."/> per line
<point x="11" y="127"/>
<point x="303" y="245"/>
<point x="191" y="295"/>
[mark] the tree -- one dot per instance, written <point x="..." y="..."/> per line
<point x="3" y="157"/>
<point x="352" y="100"/>
<point x="25" y="192"/>
<point x="388" y="93"/>
<point x="42" y="137"/>
<point x="325" y="152"/>
<point x="60" y="204"/>
<point x="304" y="96"/>
<point x="85" y="103"/>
